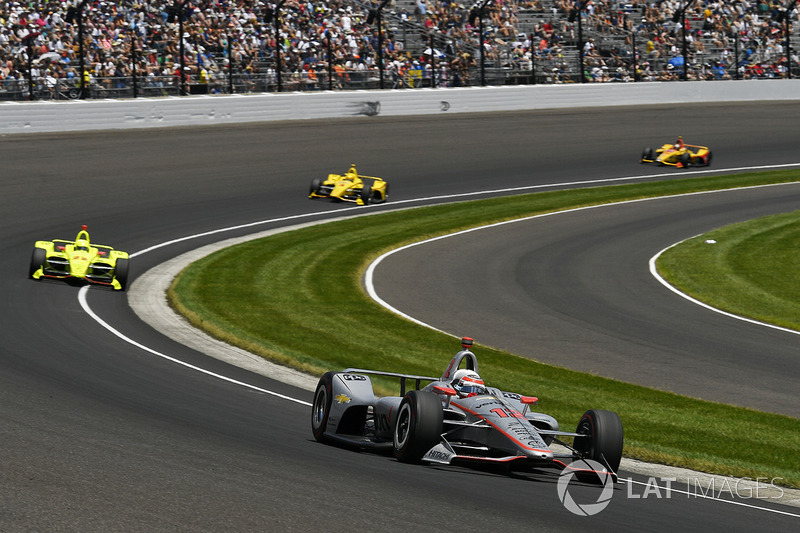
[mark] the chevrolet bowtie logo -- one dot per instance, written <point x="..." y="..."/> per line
<point x="342" y="399"/>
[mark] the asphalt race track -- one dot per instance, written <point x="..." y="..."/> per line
<point x="98" y="435"/>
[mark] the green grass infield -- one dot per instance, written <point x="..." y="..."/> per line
<point x="746" y="269"/>
<point x="296" y="298"/>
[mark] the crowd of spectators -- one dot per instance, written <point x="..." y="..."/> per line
<point x="236" y="39"/>
<point x="715" y="31"/>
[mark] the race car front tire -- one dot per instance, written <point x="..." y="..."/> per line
<point x="121" y="272"/>
<point x="321" y="407"/>
<point x="686" y="159"/>
<point x="418" y="427"/>
<point x="603" y="442"/>
<point x="647" y="153"/>
<point x="316" y="183"/>
<point x="38" y="259"/>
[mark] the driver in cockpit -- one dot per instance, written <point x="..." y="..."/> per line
<point x="468" y="383"/>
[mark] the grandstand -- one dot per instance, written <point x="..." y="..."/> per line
<point x="133" y="48"/>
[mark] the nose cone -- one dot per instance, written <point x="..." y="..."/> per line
<point x="79" y="263"/>
<point x="341" y="188"/>
<point x="544" y="454"/>
<point x="527" y="439"/>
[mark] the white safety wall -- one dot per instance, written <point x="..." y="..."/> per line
<point x="38" y="117"/>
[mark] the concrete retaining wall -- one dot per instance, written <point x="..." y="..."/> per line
<point x="73" y="115"/>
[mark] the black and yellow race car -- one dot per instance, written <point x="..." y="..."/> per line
<point x="80" y="259"/>
<point x="350" y="187"/>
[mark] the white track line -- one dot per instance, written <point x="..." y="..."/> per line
<point x="690" y="494"/>
<point x="82" y="299"/>
<point x="674" y="289"/>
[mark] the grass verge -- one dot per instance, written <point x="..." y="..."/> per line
<point x="746" y="269"/>
<point x="296" y="298"/>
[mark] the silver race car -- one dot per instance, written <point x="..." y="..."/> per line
<point x="456" y="418"/>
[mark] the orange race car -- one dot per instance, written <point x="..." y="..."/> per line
<point x="678" y="155"/>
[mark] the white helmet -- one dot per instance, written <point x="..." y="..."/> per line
<point x="468" y="383"/>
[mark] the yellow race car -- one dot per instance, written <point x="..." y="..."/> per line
<point x="350" y="187"/>
<point x="678" y="155"/>
<point x="80" y="259"/>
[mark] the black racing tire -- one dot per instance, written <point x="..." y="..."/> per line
<point x="604" y="443"/>
<point x="366" y="194"/>
<point x="418" y="427"/>
<point x="38" y="258"/>
<point x="708" y="159"/>
<point x="686" y="159"/>
<point x="121" y="272"/>
<point x="316" y="183"/>
<point x="321" y="406"/>
<point x="647" y="153"/>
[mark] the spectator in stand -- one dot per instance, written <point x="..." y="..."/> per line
<point x="421" y="10"/>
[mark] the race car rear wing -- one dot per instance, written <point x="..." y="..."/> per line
<point x="403" y="377"/>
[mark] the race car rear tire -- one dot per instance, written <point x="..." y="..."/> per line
<point x="604" y="441"/>
<point x="418" y="427"/>
<point x="38" y="258"/>
<point x="686" y="159"/>
<point x="708" y="159"/>
<point x="316" y="183"/>
<point x="321" y="406"/>
<point x="121" y="272"/>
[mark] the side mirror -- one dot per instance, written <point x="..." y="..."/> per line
<point x="448" y="391"/>
<point x="528" y="401"/>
